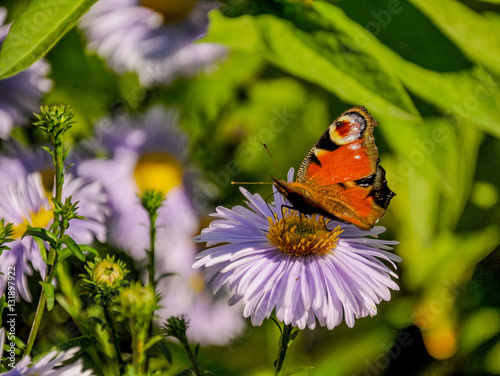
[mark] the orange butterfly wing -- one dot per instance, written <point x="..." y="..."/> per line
<point x="340" y="177"/>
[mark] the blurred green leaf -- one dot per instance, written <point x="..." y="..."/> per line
<point x="37" y="30"/>
<point x="492" y="360"/>
<point x="241" y="34"/>
<point x="479" y="327"/>
<point x="475" y="34"/>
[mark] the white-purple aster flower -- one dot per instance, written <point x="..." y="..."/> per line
<point x="149" y="152"/>
<point x="20" y="94"/>
<point x="152" y="38"/>
<point x="25" y="201"/>
<point x="49" y="365"/>
<point x="275" y="260"/>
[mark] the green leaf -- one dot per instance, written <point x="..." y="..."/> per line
<point x="43" y="234"/>
<point x="97" y="320"/>
<point x="152" y="341"/>
<point x="476" y="35"/>
<point x="64" y="254"/>
<point x="165" y="351"/>
<point x="41" y="248"/>
<point x="37" y="30"/>
<point x="89" y="249"/>
<point x="73" y="247"/>
<point x="48" y="289"/>
<point x="47" y="149"/>
<point x="293" y="336"/>
<point x="65" y="155"/>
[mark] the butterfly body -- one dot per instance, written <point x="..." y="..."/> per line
<point x="340" y="177"/>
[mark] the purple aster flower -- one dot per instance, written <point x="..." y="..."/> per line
<point x="152" y="38"/>
<point x="274" y="259"/>
<point x="149" y="152"/>
<point x="49" y="365"/>
<point x="21" y="93"/>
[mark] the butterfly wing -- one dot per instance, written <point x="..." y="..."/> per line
<point x="340" y="177"/>
<point x="345" y="152"/>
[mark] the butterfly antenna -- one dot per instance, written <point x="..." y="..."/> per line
<point x="250" y="182"/>
<point x="275" y="164"/>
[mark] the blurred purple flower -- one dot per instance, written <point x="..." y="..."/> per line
<point x="21" y="93"/>
<point x="273" y="260"/>
<point x="26" y="184"/>
<point x="152" y="38"/>
<point x="149" y="152"/>
<point x="146" y="152"/>
<point x="49" y="365"/>
<point x="18" y="162"/>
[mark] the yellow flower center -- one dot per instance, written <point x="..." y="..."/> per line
<point x="172" y="10"/>
<point x="298" y="235"/>
<point x="42" y="218"/>
<point x="159" y="171"/>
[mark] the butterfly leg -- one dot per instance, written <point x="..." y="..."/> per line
<point x="325" y="221"/>
<point x="283" y="215"/>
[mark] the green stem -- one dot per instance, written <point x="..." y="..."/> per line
<point x="151" y="267"/>
<point x="190" y="355"/>
<point x="152" y="240"/>
<point x="52" y="258"/>
<point x="114" y="336"/>
<point x="285" y="341"/>
<point x="138" y="353"/>
<point x="51" y="267"/>
<point x="36" y="323"/>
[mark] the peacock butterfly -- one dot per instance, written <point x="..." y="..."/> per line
<point x="340" y="177"/>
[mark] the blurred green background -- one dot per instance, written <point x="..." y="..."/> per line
<point x="428" y="71"/>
